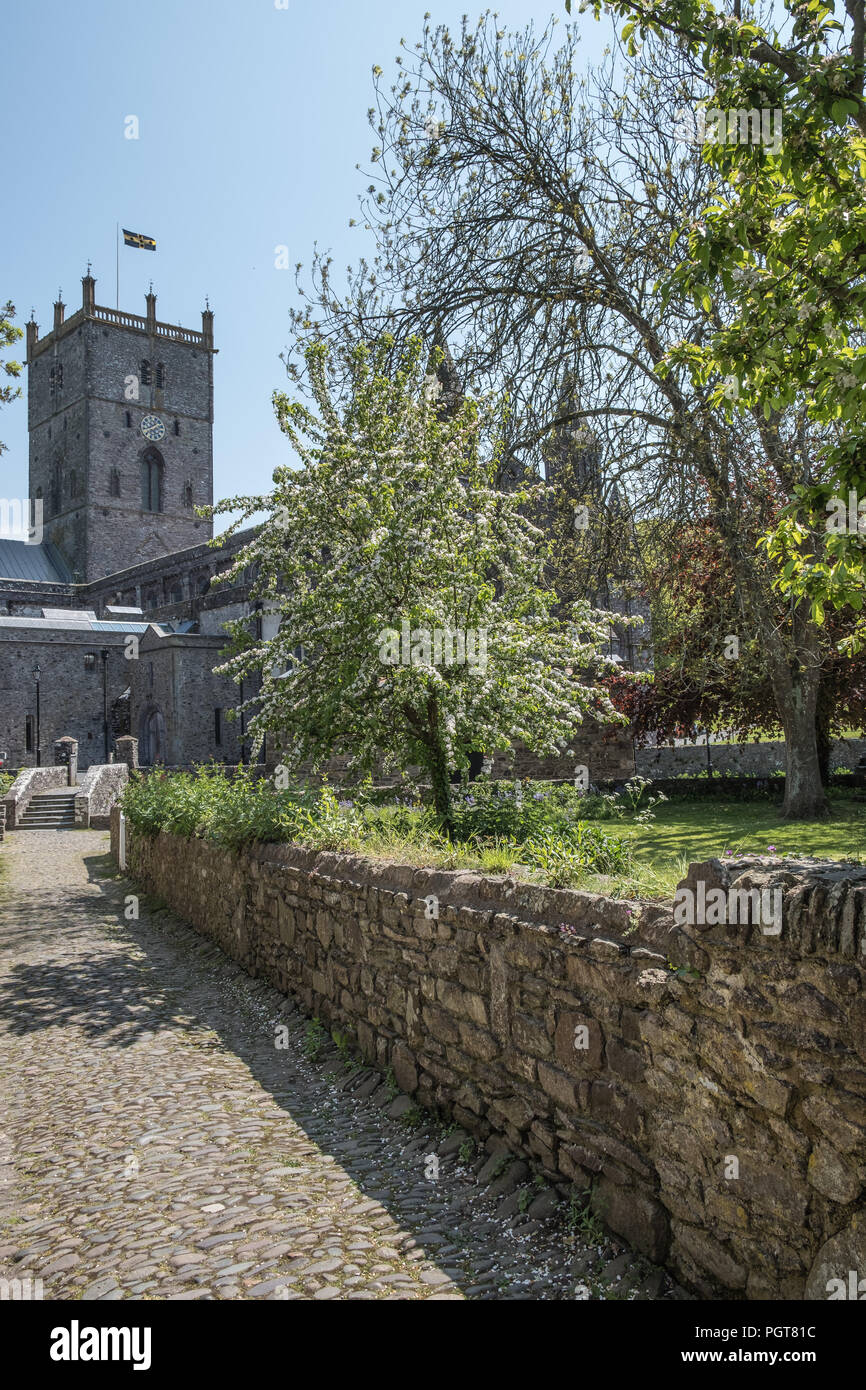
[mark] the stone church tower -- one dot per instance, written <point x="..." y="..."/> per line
<point x="121" y="434"/>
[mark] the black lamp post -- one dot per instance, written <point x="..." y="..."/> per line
<point x="104" y="655"/>
<point x="243" y="728"/>
<point x="37" y="674"/>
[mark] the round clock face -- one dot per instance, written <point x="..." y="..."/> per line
<point x="152" y="428"/>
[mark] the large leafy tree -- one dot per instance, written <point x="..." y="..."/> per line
<point x="784" y="236"/>
<point x="532" y="212"/>
<point x="710" y="673"/>
<point x="389" y="531"/>
<point x="9" y="334"/>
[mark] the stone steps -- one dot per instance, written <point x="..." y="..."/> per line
<point x="51" y="810"/>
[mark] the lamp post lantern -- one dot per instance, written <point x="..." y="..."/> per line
<point x="37" y="676"/>
<point x="104" y="655"/>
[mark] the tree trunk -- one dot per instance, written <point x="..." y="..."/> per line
<point x="804" y="791"/>
<point x="794" y="658"/>
<point x="823" y="716"/>
<point x="440" y="776"/>
<point x="441" y="784"/>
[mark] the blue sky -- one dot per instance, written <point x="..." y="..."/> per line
<point x="251" y="121"/>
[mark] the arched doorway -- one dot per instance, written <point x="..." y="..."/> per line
<point x="151" y="736"/>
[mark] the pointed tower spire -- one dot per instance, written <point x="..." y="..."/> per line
<point x="572" y="452"/>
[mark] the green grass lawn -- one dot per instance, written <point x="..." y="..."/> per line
<point x="683" y="832"/>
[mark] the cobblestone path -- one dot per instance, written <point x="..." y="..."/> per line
<point x="155" y="1142"/>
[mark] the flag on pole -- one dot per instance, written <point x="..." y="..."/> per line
<point x="144" y="243"/>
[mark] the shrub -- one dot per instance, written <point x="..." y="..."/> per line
<point x="501" y="826"/>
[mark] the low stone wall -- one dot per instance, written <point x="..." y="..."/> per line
<point x="606" y="751"/>
<point x="98" y="791"/>
<point x="746" y="759"/>
<point x="32" y="779"/>
<point x="708" y="1081"/>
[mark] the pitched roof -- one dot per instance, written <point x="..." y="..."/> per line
<point x="38" y="563"/>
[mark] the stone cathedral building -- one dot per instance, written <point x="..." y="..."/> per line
<point x="108" y="620"/>
<point x="108" y="623"/>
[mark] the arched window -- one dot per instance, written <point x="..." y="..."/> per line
<point x="187" y="493"/>
<point x="114" y="483"/>
<point x="145" y="372"/>
<point x="160" y="375"/>
<point x="152" y="469"/>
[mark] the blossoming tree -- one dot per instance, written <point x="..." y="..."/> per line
<point x="414" y="621"/>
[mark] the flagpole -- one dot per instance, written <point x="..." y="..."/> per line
<point x="117" y="265"/>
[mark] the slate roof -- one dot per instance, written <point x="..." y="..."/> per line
<point x="37" y="563"/>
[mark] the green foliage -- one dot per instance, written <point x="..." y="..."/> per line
<point x="635" y="802"/>
<point x="391" y="530"/>
<point x="247" y="808"/>
<point x="315" y="1038"/>
<point x="581" y="1220"/>
<point x="239" y="810"/>
<point x="783" y="238"/>
<point x="565" y="856"/>
<point x="527" y="810"/>
<point x="565" y="847"/>
<point x="9" y="334"/>
<point x="342" y="1042"/>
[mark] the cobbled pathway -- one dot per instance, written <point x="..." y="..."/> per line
<point x="157" y="1143"/>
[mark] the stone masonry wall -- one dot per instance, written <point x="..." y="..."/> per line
<point x="29" y="781"/>
<point x="71" y="694"/>
<point x="98" y="790"/>
<point x="709" y="1083"/>
<point x="739" y="759"/>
